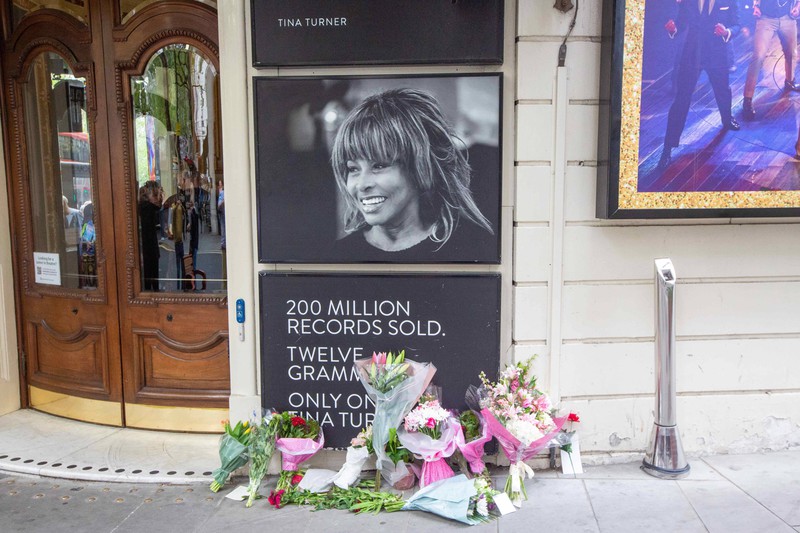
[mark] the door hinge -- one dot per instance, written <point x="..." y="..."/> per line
<point x="23" y="363"/>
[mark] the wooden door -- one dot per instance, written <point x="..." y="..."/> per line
<point x="165" y="130"/>
<point x="116" y="336"/>
<point x="62" y="217"/>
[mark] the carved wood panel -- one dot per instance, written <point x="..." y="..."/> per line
<point x="69" y="362"/>
<point x="162" y="365"/>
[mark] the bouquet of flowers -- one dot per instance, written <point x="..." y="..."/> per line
<point x="518" y="415"/>
<point x="457" y="498"/>
<point x="399" y="469"/>
<point x="567" y="441"/>
<point x="482" y="506"/>
<point x="360" y="499"/>
<point x="432" y="433"/>
<point x="476" y="435"/>
<point x="262" y="446"/>
<point x="298" y="440"/>
<point x="394" y="385"/>
<point x="233" y="448"/>
<point x="357" y="454"/>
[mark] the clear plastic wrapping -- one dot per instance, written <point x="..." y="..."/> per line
<point x="392" y="405"/>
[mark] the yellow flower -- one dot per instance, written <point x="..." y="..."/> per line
<point x="247" y="431"/>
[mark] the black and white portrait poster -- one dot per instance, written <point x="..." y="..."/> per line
<point x="352" y="32"/>
<point x="379" y="169"/>
<point x="313" y="326"/>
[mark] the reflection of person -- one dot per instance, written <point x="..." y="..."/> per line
<point x="88" y="263"/>
<point x="221" y="217"/>
<point x="773" y="17"/>
<point x="193" y="225"/>
<point x="73" y="222"/>
<point x="403" y="178"/>
<point x="709" y="26"/>
<point x="150" y="199"/>
<point x="72" y="216"/>
<point x="176" y="234"/>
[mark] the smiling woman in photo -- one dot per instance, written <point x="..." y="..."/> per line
<point x="404" y="179"/>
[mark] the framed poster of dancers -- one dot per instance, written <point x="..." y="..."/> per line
<point x="699" y="109"/>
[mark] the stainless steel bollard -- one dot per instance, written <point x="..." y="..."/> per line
<point x="664" y="456"/>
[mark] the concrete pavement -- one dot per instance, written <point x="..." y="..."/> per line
<point x="60" y="475"/>
<point x="725" y="493"/>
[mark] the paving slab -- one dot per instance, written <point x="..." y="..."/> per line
<point x="554" y="505"/>
<point x="725" y="508"/>
<point x="772" y="478"/>
<point x="624" y="506"/>
<point x="699" y="471"/>
<point x="40" y="444"/>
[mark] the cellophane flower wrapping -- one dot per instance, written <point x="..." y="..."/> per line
<point x="448" y="498"/>
<point x="262" y="446"/>
<point x="298" y="440"/>
<point x="392" y="405"/>
<point x="518" y="415"/>
<point x="351" y="469"/>
<point x="434" y="452"/>
<point x="473" y="450"/>
<point x="517" y="453"/>
<point x="295" y="451"/>
<point x="401" y="476"/>
<point x="232" y="455"/>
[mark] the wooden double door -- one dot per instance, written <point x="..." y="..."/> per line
<point x="111" y="128"/>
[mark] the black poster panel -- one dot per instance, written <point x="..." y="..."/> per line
<point x="314" y="325"/>
<point x="379" y="169"/>
<point x="349" y="32"/>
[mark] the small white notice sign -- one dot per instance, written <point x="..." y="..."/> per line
<point x="503" y="503"/>
<point x="47" y="268"/>
<point x="238" y="494"/>
<point x="571" y="462"/>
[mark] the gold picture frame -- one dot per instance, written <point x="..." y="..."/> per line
<point x="715" y="171"/>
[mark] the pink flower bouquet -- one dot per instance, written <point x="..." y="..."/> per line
<point x="472" y="449"/>
<point x="518" y="415"/>
<point x="432" y="433"/>
<point x="298" y="440"/>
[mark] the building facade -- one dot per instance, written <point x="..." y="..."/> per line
<point x="575" y="290"/>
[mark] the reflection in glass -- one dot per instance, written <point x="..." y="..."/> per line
<point x="59" y="166"/>
<point x="20" y="8"/>
<point x="128" y="8"/>
<point x="178" y="174"/>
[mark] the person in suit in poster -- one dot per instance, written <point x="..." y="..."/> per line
<point x="773" y="17"/>
<point x="709" y="26"/>
<point x="405" y="181"/>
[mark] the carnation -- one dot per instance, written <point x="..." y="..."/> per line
<point x="526" y="432"/>
<point x="425" y="418"/>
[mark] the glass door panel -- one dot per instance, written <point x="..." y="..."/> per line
<point x="59" y="165"/>
<point x="180" y="194"/>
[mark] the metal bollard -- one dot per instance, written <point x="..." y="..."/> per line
<point x="664" y="456"/>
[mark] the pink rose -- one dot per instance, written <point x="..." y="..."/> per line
<point x="431" y="423"/>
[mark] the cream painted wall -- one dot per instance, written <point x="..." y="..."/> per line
<point x="583" y="287"/>
<point x="9" y="363"/>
